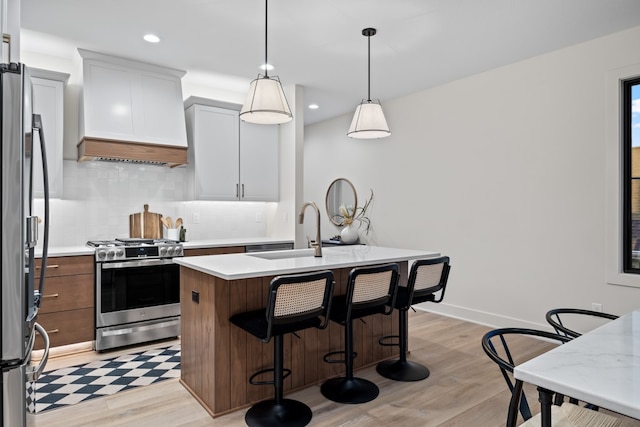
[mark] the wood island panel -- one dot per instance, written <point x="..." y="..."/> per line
<point x="218" y="358"/>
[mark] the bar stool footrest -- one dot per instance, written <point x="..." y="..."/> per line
<point x="399" y="370"/>
<point x="287" y="413"/>
<point x="345" y="390"/>
<point x="327" y="356"/>
<point x="385" y="341"/>
<point x="252" y="381"/>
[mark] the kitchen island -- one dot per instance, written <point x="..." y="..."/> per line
<point x="218" y="358"/>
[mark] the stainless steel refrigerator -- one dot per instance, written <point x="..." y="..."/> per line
<point x="21" y="289"/>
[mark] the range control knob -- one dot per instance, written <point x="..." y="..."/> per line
<point x="101" y="254"/>
<point x="178" y="251"/>
<point x="170" y="250"/>
<point x="119" y="253"/>
<point x="163" y="251"/>
<point x="111" y="254"/>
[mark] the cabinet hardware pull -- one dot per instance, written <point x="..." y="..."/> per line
<point x="53" y="331"/>
<point x="48" y="266"/>
<point x="243" y="191"/>
<point x="51" y="296"/>
<point x="236" y="190"/>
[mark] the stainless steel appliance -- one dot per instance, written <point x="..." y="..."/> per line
<point x="19" y="298"/>
<point x="137" y="291"/>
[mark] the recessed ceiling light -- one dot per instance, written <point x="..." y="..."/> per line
<point x="313" y="106"/>
<point x="267" y="67"/>
<point x="151" y="38"/>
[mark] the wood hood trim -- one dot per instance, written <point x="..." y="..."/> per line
<point x="135" y="152"/>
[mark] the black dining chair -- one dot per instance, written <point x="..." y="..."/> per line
<point x="427" y="283"/>
<point x="294" y="303"/>
<point x="559" y="318"/>
<point x="370" y="290"/>
<point x="500" y="345"/>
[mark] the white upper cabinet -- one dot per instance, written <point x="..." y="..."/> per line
<point x="126" y="100"/>
<point x="230" y="159"/>
<point x="259" y="161"/>
<point x="214" y="159"/>
<point x="48" y="101"/>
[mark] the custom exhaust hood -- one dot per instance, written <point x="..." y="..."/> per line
<point x="131" y="111"/>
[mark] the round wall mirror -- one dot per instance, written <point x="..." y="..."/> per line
<point x="341" y="192"/>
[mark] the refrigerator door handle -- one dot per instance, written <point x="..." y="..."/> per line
<point x="37" y="125"/>
<point x="34" y="372"/>
<point x="32" y="231"/>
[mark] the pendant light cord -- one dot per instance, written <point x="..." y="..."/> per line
<point x="368" y="32"/>
<point x="266" y="21"/>
<point x="368" y="68"/>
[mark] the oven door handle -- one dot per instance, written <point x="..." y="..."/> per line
<point x="136" y="263"/>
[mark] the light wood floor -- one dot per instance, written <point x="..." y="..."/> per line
<point x="465" y="389"/>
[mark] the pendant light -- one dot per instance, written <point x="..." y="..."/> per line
<point x="368" y="121"/>
<point x="266" y="103"/>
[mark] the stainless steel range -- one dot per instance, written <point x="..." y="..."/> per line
<point x="137" y="291"/>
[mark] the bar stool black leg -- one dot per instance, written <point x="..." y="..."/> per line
<point x="403" y="369"/>
<point x="278" y="411"/>
<point x="349" y="389"/>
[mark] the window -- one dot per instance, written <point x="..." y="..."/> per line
<point x="630" y="110"/>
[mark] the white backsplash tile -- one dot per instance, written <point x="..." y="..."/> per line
<point x="100" y="196"/>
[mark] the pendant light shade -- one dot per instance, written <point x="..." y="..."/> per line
<point x="266" y="103"/>
<point x="369" y="121"/>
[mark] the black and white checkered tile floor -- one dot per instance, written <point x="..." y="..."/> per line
<point x="75" y="384"/>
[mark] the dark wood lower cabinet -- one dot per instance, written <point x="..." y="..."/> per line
<point x="67" y="308"/>
<point x="67" y="327"/>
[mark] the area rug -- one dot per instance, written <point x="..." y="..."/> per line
<point x="67" y="386"/>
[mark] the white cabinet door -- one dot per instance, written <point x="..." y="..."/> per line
<point x="259" y="162"/>
<point x="48" y="101"/>
<point x="213" y="152"/>
<point x="230" y="159"/>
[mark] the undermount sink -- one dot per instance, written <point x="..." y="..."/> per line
<point x="294" y="253"/>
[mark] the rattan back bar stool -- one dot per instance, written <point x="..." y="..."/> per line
<point x="370" y="290"/>
<point x="294" y="303"/>
<point x="427" y="283"/>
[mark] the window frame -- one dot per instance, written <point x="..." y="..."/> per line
<point x="627" y="178"/>
<point x="614" y="186"/>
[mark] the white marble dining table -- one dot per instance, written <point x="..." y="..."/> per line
<point x="601" y="367"/>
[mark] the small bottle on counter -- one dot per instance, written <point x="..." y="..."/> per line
<point x="183" y="232"/>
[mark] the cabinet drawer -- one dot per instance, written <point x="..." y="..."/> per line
<point x="214" y="251"/>
<point x="67" y="293"/>
<point x="67" y="327"/>
<point x="64" y="266"/>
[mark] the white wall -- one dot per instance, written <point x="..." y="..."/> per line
<point x="504" y="172"/>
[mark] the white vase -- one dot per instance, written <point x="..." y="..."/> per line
<point x="349" y="234"/>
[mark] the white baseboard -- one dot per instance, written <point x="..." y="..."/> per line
<point x="480" y="317"/>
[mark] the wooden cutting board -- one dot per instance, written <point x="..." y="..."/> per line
<point x="146" y="225"/>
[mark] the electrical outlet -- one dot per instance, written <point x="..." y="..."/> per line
<point x="196" y="218"/>
<point x="285" y="218"/>
<point x="595" y="306"/>
<point x="258" y="217"/>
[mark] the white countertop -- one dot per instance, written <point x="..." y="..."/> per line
<point x="66" y="251"/>
<point x="601" y="367"/>
<point x="247" y="265"/>
<point x="244" y="241"/>
<point x="195" y="244"/>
